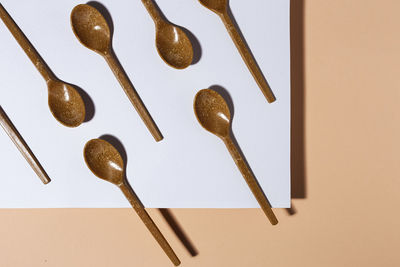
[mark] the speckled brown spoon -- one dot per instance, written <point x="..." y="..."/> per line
<point x="65" y="103"/>
<point x="220" y="7"/>
<point x="23" y="147"/>
<point x="92" y="30"/>
<point x="213" y="114"/>
<point x="173" y="45"/>
<point x="106" y="163"/>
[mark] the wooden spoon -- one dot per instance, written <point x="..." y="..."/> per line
<point x="173" y="45"/>
<point x="220" y="7"/>
<point x="65" y="102"/>
<point x="92" y="30"/>
<point x="23" y="147"/>
<point x="106" y="163"/>
<point x="213" y="114"/>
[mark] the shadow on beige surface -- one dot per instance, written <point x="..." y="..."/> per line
<point x="297" y="113"/>
<point x="179" y="232"/>
<point x="298" y="172"/>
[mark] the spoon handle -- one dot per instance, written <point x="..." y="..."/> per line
<point x="251" y="180"/>
<point x="133" y="96"/>
<point x="153" y="11"/>
<point x="247" y="57"/>
<point x="26" y="45"/>
<point x="23" y="147"/>
<point x="145" y="217"/>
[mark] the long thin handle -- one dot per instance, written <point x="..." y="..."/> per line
<point x="247" y="57"/>
<point x="144" y="216"/>
<point x="133" y="96"/>
<point x="23" y="147"/>
<point x="153" y="11"/>
<point x="26" y="45"/>
<point x="251" y="180"/>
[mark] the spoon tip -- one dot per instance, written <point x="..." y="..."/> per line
<point x="104" y="160"/>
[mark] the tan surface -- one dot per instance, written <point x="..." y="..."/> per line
<point x="350" y="214"/>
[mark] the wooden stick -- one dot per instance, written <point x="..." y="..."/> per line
<point x="153" y="11"/>
<point x="133" y="96"/>
<point x="23" y="147"/>
<point x="26" y="45"/>
<point x="247" y="57"/>
<point x="145" y="217"/>
<point x="251" y="180"/>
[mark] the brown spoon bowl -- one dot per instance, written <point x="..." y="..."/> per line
<point x="91" y="28"/>
<point x="174" y="46"/>
<point x="212" y="112"/>
<point x="218" y="6"/>
<point x="104" y="161"/>
<point x="65" y="103"/>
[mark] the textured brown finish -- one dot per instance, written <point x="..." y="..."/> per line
<point x="213" y="114"/>
<point x="173" y="45"/>
<point x="92" y="30"/>
<point x="65" y="103"/>
<point x="220" y="7"/>
<point x="106" y="163"/>
<point x="23" y="147"/>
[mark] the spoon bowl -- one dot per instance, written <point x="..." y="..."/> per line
<point x="212" y="112"/>
<point x="173" y="46"/>
<point x="65" y="103"/>
<point x="91" y="28"/>
<point x="104" y="161"/>
<point x="218" y="6"/>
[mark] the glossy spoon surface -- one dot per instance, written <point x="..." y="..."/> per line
<point x="23" y="147"/>
<point x="105" y="162"/>
<point x="213" y="114"/>
<point x="64" y="101"/>
<point x="92" y="30"/>
<point x="221" y="8"/>
<point x="173" y="45"/>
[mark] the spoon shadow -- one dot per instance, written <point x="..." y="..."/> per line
<point x="228" y="99"/>
<point x="197" y="50"/>
<point x="179" y="232"/>
<point x="115" y="142"/>
<point x="87" y="101"/>
<point x="292" y="210"/>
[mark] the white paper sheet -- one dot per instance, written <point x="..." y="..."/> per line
<point x="190" y="168"/>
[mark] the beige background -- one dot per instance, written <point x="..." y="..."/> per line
<point x="346" y="129"/>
